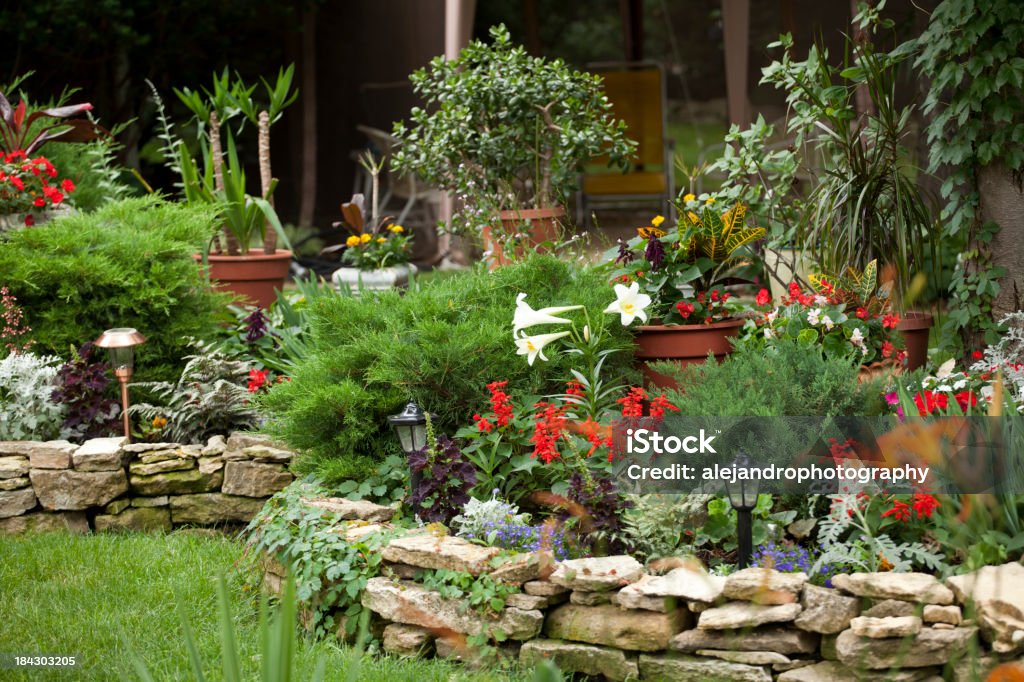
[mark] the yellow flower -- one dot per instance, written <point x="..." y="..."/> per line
<point x="658" y="220"/>
<point x="365" y="237"/>
<point x="646" y="232"/>
<point x="689" y="197"/>
<point x="159" y="422"/>
<point x="710" y="201"/>
<point x="381" y="240"/>
<point x="352" y="241"/>
<point x="397" y="229"/>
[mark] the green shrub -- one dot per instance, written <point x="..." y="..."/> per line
<point x="129" y="264"/>
<point x="440" y="345"/>
<point x="789" y="380"/>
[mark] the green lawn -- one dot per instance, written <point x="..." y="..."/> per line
<point x="102" y="596"/>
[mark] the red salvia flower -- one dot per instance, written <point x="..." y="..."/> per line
<point x="659" y="405"/>
<point x="633" y="402"/>
<point x="900" y="511"/>
<point x="501" y="404"/>
<point x="548" y="426"/>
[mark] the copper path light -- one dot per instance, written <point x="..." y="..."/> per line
<point x="121" y="342"/>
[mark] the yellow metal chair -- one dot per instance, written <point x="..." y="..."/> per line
<point x="637" y="93"/>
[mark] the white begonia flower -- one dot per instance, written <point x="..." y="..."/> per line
<point x="820" y="300"/>
<point x="814" y="316"/>
<point x="827" y="321"/>
<point x="525" y="316"/>
<point x="857" y="338"/>
<point x="629" y="303"/>
<point x="768" y="333"/>
<point x="532" y="346"/>
<point x="772" y="315"/>
<point x="961" y="383"/>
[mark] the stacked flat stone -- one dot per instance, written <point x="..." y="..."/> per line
<point x="607" y="616"/>
<point x="141" y="486"/>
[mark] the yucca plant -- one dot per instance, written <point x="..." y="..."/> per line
<point x="244" y="217"/>
<point x="865" y="202"/>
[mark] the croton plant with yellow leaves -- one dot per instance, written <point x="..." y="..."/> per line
<point x="685" y="268"/>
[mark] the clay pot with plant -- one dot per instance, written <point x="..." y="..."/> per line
<point x="686" y="270"/>
<point x="508" y="134"/>
<point x="243" y="257"/>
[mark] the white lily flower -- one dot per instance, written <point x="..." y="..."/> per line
<point x="525" y="316"/>
<point x="532" y="346"/>
<point x="629" y="303"/>
<point x="946" y="369"/>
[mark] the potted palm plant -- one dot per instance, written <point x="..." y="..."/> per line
<point x="508" y="135"/>
<point x="685" y="271"/>
<point x="244" y="257"/>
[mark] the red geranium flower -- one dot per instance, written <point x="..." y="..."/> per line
<point x="257" y="379"/>
<point x="763" y="297"/>
<point x="685" y="309"/>
<point x="887" y="349"/>
<point x="67" y="186"/>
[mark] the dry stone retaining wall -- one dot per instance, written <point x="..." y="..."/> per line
<point x="607" y="617"/>
<point x="106" y="484"/>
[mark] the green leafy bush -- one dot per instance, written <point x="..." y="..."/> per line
<point x="787" y="380"/>
<point x="129" y="264"/>
<point x="440" y="345"/>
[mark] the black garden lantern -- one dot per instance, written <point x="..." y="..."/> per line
<point x="743" y="498"/>
<point x="411" y="427"/>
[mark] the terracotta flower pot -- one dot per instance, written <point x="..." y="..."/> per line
<point x="253" y="276"/>
<point x="684" y="345"/>
<point x="915" y="326"/>
<point x="540" y="223"/>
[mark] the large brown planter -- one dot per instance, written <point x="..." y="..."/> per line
<point x="915" y="327"/>
<point x="253" y="276"/>
<point x="684" y="345"/>
<point x="540" y="223"/>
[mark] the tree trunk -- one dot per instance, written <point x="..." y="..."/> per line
<point x="231" y="245"/>
<point x="266" y="177"/>
<point x="307" y="201"/>
<point x="1002" y="202"/>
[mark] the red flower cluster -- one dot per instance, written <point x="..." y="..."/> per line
<point x="922" y="504"/>
<point x="257" y="379"/>
<point x="797" y="296"/>
<point x="763" y="297"/>
<point x="574" y="388"/>
<point x="501" y="408"/>
<point x="890" y="321"/>
<point x="549" y="424"/>
<point x="262" y="379"/>
<point x="928" y="402"/>
<point x="633" y="404"/>
<point x="27" y="184"/>
<point x="592" y="431"/>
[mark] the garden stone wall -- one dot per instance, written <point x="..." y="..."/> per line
<point x="106" y="484"/>
<point x="609" y="617"/>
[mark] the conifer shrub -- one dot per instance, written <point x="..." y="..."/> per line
<point x="128" y="264"/>
<point x="439" y="344"/>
